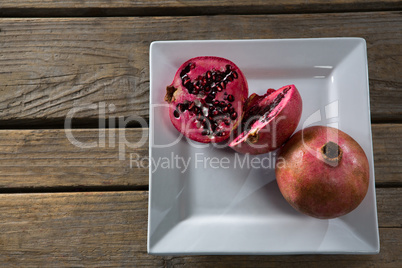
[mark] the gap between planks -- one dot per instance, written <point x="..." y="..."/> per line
<point x="105" y="8"/>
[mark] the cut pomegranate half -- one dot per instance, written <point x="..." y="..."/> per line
<point x="206" y="98"/>
<point x="268" y="120"/>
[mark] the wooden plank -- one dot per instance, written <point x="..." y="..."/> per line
<point x="104" y="229"/>
<point x="389" y="201"/>
<point x="50" y="159"/>
<point x="80" y="229"/>
<point x="387" y="148"/>
<point x="186" y="7"/>
<point x="48" y="66"/>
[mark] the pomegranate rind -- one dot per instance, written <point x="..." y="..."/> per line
<point x="314" y="187"/>
<point x="186" y="123"/>
<point x="267" y="136"/>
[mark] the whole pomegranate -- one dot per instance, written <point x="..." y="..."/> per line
<point x="206" y="98"/>
<point x="322" y="172"/>
<point x="268" y="120"/>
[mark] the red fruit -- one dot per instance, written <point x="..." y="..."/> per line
<point x="322" y="172"/>
<point x="206" y="96"/>
<point x="268" y="120"/>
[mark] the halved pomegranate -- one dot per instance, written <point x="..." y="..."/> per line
<point x="268" y="120"/>
<point x="206" y="98"/>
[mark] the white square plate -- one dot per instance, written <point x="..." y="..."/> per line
<point x="208" y="200"/>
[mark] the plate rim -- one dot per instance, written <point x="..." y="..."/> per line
<point x="151" y="122"/>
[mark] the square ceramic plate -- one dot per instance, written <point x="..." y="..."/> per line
<point x="209" y="200"/>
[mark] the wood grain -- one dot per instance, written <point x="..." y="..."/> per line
<point x="49" y="66"/>
<point x="80" y="229"/>
<point x="389" y="201"/>
<point x="48" y="159"/>
<point x="187" y="7"/>
<point x="387" y="148"/>
<point x="105" y="229"/>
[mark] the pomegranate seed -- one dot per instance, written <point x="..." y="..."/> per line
<point x="233" y="116"/>
<point x="180" y="107"/>
<point x="213" y="126"/>
<point x="231" y="110"/>
<point x="209" y="74"/>
<point x="207" y="89"/>
<point x="205" y="132"/>
<point x="176" y="114"/>
<point x="219" y="88"/>
<point x="209" y="99"/>
<point x="190" y="88"/>
<point x="191" y="106"/>
<point x="189" y="67"/>
<point x="235" y="75"/>
<point x="216" y="102"/>
<point x="225" y="110"/>
<point x="186" y="81"/>
<point x="223" y="85"/>
<point x="215" y="112"/>
<point x="231" y="98"/>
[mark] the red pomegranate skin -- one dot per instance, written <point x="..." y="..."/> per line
<point x="318" y="187"/>
<point x="264" y="137"/>
<point x="234" y="92"/>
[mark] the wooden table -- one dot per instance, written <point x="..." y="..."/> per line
<point x="61" y="205"/>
